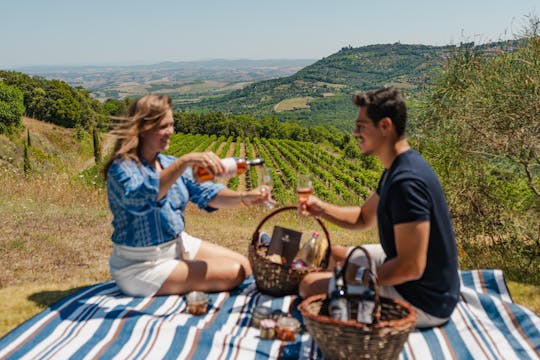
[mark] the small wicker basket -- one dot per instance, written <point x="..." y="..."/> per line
<point x="393" y="320"/>
<point x="278" y="279"/>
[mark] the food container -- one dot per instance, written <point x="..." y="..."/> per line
<point x="286" y="328"/>
<point x="268" y="329"/>
<point x="197" y="302"/>
<point x="261" y="312"/>
<point x="277" y="314"/>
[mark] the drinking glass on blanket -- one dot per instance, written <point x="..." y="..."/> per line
<point x="197" y="302"/>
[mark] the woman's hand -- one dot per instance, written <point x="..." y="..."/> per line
<point x="207" y="160"/>
<point x="258" y="196"/>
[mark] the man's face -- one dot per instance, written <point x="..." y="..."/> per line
<point x="368" y="135"/>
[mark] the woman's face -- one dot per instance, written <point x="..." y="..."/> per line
<point x="158" y="139"/>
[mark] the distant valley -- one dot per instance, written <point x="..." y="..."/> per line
<point x="187" y="80"/>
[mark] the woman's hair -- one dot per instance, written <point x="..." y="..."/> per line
<point x="144" y="114"/>
<point x="385" y="102"/>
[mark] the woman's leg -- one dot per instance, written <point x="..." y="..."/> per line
<point x="214" y="268"/>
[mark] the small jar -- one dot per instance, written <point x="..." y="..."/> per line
<point x="259" y="313"/>
<point x="197" y="302"/>
<point x="287" y="328"/>
<point x="268" y="329"/>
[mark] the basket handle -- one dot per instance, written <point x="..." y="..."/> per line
<point x="377" y="308"/>
<point x="255" y="237"/>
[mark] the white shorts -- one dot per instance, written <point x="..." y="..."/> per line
<point x="377" y="255"/>
<point x="140" y="271"/>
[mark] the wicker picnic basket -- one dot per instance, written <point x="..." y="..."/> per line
<point x="280" y="279"/>
<point x="384" y="338"/>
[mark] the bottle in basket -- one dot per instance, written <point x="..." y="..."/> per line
<point x="234" y="166"/>
<point x="314" y="249"/>
<point x="366" y="295"/>
<point x="339" y="305"/>
<point x="306" y="255"/>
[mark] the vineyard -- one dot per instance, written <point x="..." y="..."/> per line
<point x="335" y="179"/>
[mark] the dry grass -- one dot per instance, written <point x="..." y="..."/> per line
<point x="292" y="104"/>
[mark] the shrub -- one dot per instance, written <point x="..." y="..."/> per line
<point x="11" y="108"/>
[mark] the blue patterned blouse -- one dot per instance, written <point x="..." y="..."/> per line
<point x="139" y="219"/>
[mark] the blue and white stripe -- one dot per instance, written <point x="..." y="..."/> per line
<point x="100" y="322"/>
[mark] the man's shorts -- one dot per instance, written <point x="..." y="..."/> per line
<point x="377" y="255"/>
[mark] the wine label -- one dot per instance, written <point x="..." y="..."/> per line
<point x="365" y="311"/>
<point x="230" y="167"/>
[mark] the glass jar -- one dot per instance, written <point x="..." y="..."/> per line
<point x="286" y="328"/>
<point x="197" y="302"/>
<point x="268" y="329"/>
<point x="259" y="313"/>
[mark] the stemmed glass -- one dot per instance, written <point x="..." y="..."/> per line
<point x="304" y="187"/>
<point x="266" y="183"/>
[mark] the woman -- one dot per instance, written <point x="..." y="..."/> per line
<point x="148" y="193"/>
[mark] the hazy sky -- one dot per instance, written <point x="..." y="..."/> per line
<point x="67" y="32"/>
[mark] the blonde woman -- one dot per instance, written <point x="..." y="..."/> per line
<point x="148" y="192"/>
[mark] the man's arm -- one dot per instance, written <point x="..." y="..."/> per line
<point x="411" y="245"/>
<point x="349" y="217"/>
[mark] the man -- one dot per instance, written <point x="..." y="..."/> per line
<point x="416" y="260"/>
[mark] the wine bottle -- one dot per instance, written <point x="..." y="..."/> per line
<point x="234" y="166"/>
<point x="313" y="249"/>
<point x="339" y="305"/>
<point x="366" y="292"/>
<point x="306" y="255"/>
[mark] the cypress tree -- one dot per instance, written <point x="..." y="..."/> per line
<point x="97" y="145"/>
<point x="26" y="165"/>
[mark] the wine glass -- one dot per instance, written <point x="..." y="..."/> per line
<point x="304" y="187"/>
<point x="266" y="183"/>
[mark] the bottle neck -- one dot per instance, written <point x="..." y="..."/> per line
<point x="256" y="161"/>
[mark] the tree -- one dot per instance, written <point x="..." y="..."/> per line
<point x="97" y="144"/>
<point x="479" y="128"/>
<point x="11" y="108"/>
<point x="27" y="167"/>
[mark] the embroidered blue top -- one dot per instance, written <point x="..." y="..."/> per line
<point x="139" y="219"/>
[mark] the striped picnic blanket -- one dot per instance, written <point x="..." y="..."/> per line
<point x="100" y="322"/>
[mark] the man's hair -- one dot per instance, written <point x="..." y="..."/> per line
<point x="385" y="102"/>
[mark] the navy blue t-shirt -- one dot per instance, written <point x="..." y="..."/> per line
<point x="409" y="192"/>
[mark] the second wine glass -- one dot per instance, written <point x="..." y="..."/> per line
<point x="265" y="180"/>
<point x="304" y="187"/>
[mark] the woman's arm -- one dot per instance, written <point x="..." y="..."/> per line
<point x="169" y="175"/>
<point x="228" y="198"/>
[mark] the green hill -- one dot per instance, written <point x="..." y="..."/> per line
<point x="320" y="93"/>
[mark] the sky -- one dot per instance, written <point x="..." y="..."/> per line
<point x="129" y="32"/>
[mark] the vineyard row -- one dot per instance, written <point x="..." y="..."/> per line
<point x="335" y="178"/>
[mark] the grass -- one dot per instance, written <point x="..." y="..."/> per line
<point x="292" y="104"/>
